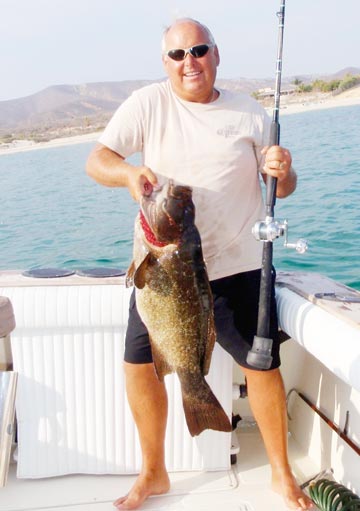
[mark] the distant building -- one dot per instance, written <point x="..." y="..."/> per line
<point x="268" y="92"/>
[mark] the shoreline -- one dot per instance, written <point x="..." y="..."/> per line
<point x="288" y="107"/>
<point x="20" y="146"/>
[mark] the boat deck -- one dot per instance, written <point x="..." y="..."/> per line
<point x="245" y="487"/>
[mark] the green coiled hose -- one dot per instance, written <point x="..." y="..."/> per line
<point x="331" y="496"/>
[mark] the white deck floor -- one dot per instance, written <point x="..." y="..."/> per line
<point x="243" y="488"/>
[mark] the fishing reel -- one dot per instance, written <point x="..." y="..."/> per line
<point x="270" y="229"/>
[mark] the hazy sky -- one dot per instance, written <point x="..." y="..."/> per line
<point x="51" y="42"/>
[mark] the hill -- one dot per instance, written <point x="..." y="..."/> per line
<point x="63" y="107"/>
<point x="66" y="110"/>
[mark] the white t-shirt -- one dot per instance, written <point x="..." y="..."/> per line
<point x="214" y="148"/>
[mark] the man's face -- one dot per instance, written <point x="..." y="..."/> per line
<point x="192" y="79"/>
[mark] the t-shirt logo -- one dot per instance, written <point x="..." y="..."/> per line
<point x="228" y="131"/>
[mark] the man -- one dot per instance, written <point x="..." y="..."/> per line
<point x="214" y="141"/>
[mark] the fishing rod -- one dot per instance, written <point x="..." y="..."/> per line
<point x="269" y="229"/>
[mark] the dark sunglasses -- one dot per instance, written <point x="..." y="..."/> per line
<point x="198" y="51"/>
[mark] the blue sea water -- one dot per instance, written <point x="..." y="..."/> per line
<point x="53" y="215"/>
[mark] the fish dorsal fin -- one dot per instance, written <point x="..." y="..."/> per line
<point x="211" y="338"/>
<point x="208" y="332"/>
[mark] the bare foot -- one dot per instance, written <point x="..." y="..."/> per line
<point x="145" y="485"/>
<point x="291" y="492"/>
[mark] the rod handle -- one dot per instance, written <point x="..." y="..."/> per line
<point x="260" y="354"/>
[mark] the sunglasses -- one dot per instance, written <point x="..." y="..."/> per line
<point x="198" y="51"/>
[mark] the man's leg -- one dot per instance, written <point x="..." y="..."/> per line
<point x="268" y="403"/>
<point x="148" y="402"/>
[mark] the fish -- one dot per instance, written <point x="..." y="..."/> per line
<point x="174" y="300"/>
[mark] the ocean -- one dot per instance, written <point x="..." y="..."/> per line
<point x="53" y="215"/>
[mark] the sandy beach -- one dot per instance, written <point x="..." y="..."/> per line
<point x="289" y="105"/>
<point x="318" y="101"/>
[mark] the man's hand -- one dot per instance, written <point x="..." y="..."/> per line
<point x="277" y="161"/>
<point x="278" y="164"/>
<point x="141" y="181"/>
<point x="110" y="169"/>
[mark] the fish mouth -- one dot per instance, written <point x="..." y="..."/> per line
<point x="149" y="205"/>
<point x="149" y="233"/>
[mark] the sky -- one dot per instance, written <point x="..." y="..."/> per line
<point x="52" y="42"/>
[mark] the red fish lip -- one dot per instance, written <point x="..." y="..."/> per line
<point x="149" y="234"/>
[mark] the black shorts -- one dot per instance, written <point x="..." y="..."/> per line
<point x="236" y="301"/>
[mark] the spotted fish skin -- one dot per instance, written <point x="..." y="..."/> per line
<point x="174" y="300"/>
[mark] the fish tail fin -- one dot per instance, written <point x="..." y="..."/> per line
<point x="202" y="409"/>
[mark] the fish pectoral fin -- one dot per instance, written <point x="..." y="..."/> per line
<point x="141" y="274"/>
<point x="162" y="368"/>
<point x="129" y="279"/>
<point x="151" y="273"/>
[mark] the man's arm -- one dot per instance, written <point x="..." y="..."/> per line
<point x="110" y="169"/>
